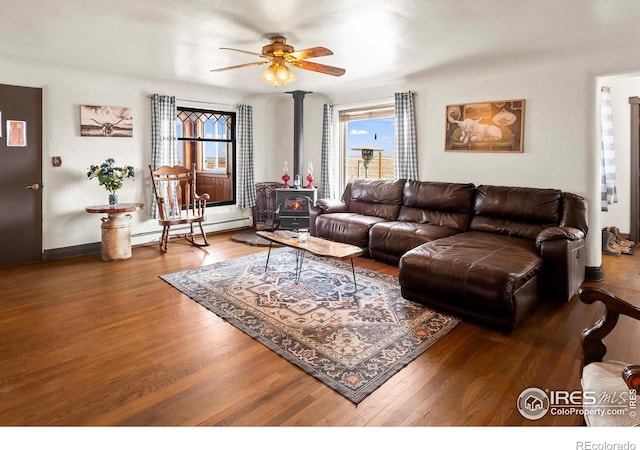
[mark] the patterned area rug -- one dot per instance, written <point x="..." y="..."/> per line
<point x="351" y="340"/>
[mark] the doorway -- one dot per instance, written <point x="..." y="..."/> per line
<point x="21" y="174"/>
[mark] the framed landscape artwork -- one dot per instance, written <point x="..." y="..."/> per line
<point x="106" y="121"/>
<point x="495" y="126"/>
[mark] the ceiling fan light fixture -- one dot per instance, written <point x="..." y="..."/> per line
<point x="282" y="73"/>
<point x="279" y="55"/>
<point x="269" y="75"/>
<point x="278" y="75"/>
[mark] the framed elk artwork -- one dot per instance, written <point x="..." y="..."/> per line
<point x="495" y="126"/>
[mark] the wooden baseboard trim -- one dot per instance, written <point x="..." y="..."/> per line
<point x="56" y="254"/>
<point x="594" y="274"/>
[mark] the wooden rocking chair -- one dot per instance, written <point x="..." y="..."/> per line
<point x="614" y="383"/>
<point x="178" y="203"/>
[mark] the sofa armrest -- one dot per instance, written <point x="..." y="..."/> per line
<point x="324" y="206"/>
<point x="563" y="252"/>
<point x="574" y="212"/>
<point x="331" y="205"/>
<point x="556" y="233"/>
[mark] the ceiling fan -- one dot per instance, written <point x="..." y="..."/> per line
<point x="278" y="53"/>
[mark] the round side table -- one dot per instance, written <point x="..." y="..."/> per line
<point x="116" y="229"/>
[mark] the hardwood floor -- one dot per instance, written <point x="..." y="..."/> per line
<point x="84" y="342"/>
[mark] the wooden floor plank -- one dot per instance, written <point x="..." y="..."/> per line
<point x="85" y="342"/>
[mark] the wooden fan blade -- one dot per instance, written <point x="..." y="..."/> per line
<point x="260" y="55"/>
<point x="257" y="63"/>
<point x="311" y="53"/>
<point x="322" y="68"/>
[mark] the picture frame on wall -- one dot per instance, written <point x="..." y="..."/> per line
<point x="16" y="133"/>
<point x="106" y="121"/>
<point x="492" y="126"/>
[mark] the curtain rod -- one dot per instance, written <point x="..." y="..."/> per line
<point x="390" y="97"/>
<point x="363" y="101"/>
<point x="201" y="101"/>
<point x="207" y="103"/>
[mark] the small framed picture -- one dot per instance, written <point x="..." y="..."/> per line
<point x="16" y="133"/>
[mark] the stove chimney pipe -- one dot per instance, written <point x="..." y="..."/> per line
<point x="298" y="106"/>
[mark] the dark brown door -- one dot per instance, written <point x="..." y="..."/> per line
<point x="20" y="174"/>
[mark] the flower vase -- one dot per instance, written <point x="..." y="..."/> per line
<point x="113" y="199"/>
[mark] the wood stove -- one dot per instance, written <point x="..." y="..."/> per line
<point x="293" y="207"/>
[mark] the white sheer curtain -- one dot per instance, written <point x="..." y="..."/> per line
<point x="405" y="137"/>
<point x="163" y="136"/>
<point x="327" y="189"/>
<point x="608" y="159"/>
<point x="245" y="173"/>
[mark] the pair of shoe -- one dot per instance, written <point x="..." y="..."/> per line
<point x="613" y="244"/>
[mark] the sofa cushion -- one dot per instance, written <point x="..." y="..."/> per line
<point x="437" y="203"/>
<point x="515" y="211"/>
<point x="380" y="198"/>
<point x="473" y="272"/>
<point x="388" y="241"/>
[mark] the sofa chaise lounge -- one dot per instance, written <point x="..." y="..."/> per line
<point x="484" y="253"/>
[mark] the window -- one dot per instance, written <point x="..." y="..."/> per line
<point x="367" y="142"/>
<point x="208" y="139"/>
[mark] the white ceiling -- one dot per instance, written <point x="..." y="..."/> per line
<point x="376" y="41"/>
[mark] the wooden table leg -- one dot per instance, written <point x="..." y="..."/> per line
<point x="353" y="270"/>
<point x="299" y="260"/>
<point x="268" y="255"/>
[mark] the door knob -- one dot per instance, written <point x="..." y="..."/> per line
<point x="34" y="186"/>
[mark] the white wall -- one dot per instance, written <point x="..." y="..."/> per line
<point x="555" y="135"/>
<point x="67" y="191"/>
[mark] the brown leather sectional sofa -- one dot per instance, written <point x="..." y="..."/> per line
<point x="485" y="253"/>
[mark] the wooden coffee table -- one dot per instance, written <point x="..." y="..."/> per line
<point x="313" y="245"/>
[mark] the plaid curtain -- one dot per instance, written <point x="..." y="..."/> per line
<point x="164" y="151"/>
<point x="245" y="184"/>
<point x="405" y="137"/>
<point x="608" y="159"/>
<point x="326" y="186"/>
